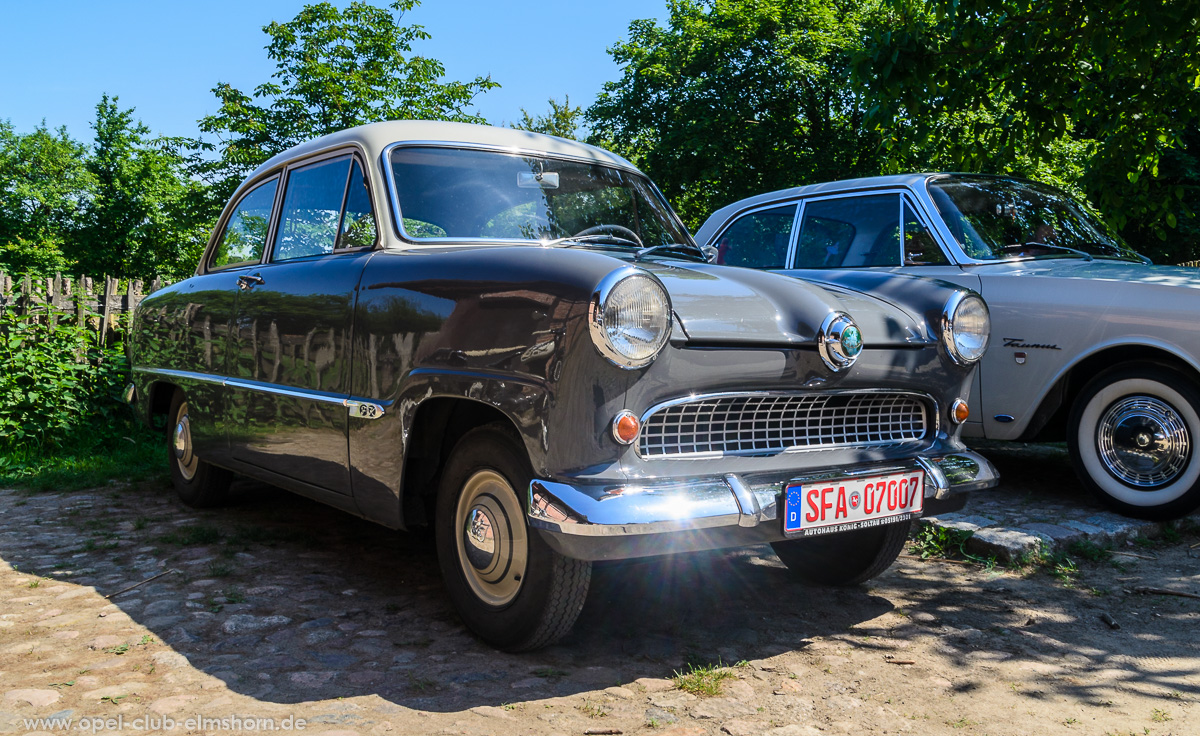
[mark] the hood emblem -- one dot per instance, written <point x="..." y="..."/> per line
<point x="839" y="341"/>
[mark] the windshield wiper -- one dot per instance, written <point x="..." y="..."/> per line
<point x="663" y="246"/>
<point x="598" y="238"/>
<point x="1047" y="246"/>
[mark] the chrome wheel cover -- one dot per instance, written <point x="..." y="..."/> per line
<point x="181" y="444"/>
<point x="493" y="548"/>
<point x="1143" y="442"/>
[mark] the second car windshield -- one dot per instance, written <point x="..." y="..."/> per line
<point x="470" y="194"/>
<point x="996" y="219"/>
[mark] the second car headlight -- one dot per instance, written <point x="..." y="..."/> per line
<point x="965" y="327"/>
<point x="630" y="317"/>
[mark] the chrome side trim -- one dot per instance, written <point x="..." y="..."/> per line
<point x="356" y="407"/>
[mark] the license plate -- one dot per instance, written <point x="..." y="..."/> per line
<point x="843" y="504"/>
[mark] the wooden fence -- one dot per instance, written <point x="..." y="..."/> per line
<point x="96" y="302"/>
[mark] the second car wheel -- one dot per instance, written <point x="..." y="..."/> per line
<point x="844" y="558"/>
<point x="1133" y="437"/>
<point x="197" y="483"/>
<point x="508" y="586"/>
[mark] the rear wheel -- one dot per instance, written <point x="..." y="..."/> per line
<point x="843" y="558"/>
<point x="197" y="483"/>
<point x="510" y="588"/>
<point x="1133" y="437"/>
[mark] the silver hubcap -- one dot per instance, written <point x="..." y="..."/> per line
<point x="1143" y="442"/>
<point x="181" y="444"/>
<point x="492" y="545"/>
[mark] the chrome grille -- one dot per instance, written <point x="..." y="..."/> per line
<point x="760" y="423"/>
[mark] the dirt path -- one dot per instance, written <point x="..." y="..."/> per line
<point x="278" y="608"/>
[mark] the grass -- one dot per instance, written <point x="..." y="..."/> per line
<point x="90" y="460"/>
<point x="703" y="680"/>
<point x="931" y="540"/>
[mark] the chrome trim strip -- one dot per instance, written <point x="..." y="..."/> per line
<point x="357" y="407"/>
<point x="930" y="402"/>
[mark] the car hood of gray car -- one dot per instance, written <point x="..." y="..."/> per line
<point x="738" y="306"/>
<point x="1098" y="270"/>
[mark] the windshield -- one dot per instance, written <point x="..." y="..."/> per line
<point x="997" y="219"/>
<point x="469" y="194"/>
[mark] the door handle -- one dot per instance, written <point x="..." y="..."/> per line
<point x="245" y="282"/>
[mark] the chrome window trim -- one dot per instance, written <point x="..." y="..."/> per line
<point x="928" y="401"/>
<point x="394" y="199"/>
<point x="354" y="403"/>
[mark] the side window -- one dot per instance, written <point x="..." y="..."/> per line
<point x="850" y="232"/>
<point x="246" y="232"/>
<point x="312" y="209"/>
<point x="759" y="239"/>
<point x="920" y="249"/>
<point x="358" y="219"/>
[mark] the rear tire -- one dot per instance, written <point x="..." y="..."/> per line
<point x="197" y="483"/>
<point x="843" y="558"/>
<point x="1133" y="435"/>
<point x="508" y="586"/>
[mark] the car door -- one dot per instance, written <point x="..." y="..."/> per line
<point x="290" y="378"/>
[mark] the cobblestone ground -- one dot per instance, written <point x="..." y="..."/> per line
<point x="278" y="608"/>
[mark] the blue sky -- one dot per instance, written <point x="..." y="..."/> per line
<point x="164" y="57"/>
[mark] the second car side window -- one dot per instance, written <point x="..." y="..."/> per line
<point x="850" y="232"/>
<point x="920" y="249"/>
<point x="758" y="240"/>
<point x="312" y="209"/>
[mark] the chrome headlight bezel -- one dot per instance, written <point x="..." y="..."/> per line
<point x="614" y="283"/>
<point x="839" y="341"/>
<point x="951" y="322"/>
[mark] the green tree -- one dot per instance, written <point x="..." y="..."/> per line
<point x="139" y="220"/>
<point x="561" y="120"/>
<point x="44" y="183"/>
<point x="334" y="69"/>
<point x="737" y="97"/>
<point x="1000" y="84"/>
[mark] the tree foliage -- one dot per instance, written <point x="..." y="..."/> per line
<point x="44" y="184"/>
<point x="335" y="69"/>
<point x="561" y="120"/>
<point x="1011" y="80"/>
<point x="735" y="98"/>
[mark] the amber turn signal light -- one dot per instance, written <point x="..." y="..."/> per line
<point x="626" y="427"/>
<point x="959" y="411"/>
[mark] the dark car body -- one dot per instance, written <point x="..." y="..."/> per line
<point x="347" y="376"/>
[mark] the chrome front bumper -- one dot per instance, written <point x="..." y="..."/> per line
<point x="598" y="522"/>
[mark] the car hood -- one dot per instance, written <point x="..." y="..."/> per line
<point x="1099" y="270"/>
<point x="723" y="305"/>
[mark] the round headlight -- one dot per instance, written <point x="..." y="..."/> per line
<point x="630" y="318"/>
<point x="965" y="327"/>
<point x="839" y="341"/>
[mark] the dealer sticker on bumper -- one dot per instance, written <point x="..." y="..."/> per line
<point x="851" y="503"/>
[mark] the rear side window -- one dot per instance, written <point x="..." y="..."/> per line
<point x="326" y="206"/>
<point x="850" y="232"/>
<point x="759" y="239"/>
<point x="246" y="231"/>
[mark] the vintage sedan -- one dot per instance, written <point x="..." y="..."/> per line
<point x="1091" y="343"/>
<point x="512" y="338"/>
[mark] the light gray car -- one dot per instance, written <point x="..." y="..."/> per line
<point x="1090" y="342"/>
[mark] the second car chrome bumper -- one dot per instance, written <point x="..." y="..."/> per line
<point x="659" y="517"/>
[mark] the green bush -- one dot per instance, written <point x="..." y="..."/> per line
<point x="56" y="381"/>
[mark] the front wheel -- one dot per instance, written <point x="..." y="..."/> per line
<point x="843" y="558"/>
<point x="1132" y="437"/>
<point x="508" y="586"/>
